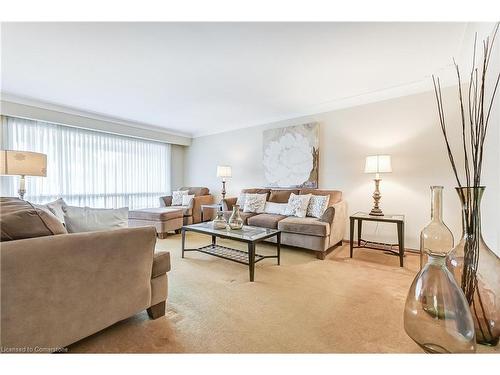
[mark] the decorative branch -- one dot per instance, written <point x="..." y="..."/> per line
<point x="473" y="130"/>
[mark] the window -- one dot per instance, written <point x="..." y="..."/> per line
<point x="88" y="168"/>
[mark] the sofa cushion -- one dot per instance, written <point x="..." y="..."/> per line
<point x="304" y="225"/>
<point x="244" y="215"/>
<point x="335" y="195"/>
<point x="156" y="214"/>
<point x="56" y="208"/>
<point x="161" y="263"/>
<point x="265" y="220"/>
<point x="281" y="196"/>
<point x="196" y="190"/>
<point x="20" y="219"/>
<point x="87" y="219"/>
<point x="257" y="191"/>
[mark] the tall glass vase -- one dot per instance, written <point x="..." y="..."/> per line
<point x="437" y="315"/>
<point x="477" y="269"/>
<point x="436" y="237"/>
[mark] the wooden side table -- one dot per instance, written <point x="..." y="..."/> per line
<point x="399" y="220"/>
<point x="215" y="206"/>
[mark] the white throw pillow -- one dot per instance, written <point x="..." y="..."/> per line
<point x="177" y="197"/>
<point x="86" y="219"/>
<point x="255" y="203"/>
<point x="56" y="208"/>
<point x="317" y="205"/>
<point x="241" y="200"/>
<point x="275" y="208"/>
<point x="297" y="205"/>
<point x="186" y="199"/>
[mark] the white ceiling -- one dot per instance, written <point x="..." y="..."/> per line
<point x="200" y="78"/>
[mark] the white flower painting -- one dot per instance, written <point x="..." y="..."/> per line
<point x="291" y="156"/>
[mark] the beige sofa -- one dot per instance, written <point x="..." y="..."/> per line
<point x="58" y="288"/>
<point x="320" y="235"/>
<point x="192" y="213"/>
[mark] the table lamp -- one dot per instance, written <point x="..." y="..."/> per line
<point x="223" y="171"/>
<point x="23" y="163"/>
<point x="377" y="164"/>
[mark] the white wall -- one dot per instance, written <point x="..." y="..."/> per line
<point x="177" y="166"/>
<point x="406" y="128"/>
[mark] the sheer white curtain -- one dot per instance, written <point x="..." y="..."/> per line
<point x="88" y="168"/>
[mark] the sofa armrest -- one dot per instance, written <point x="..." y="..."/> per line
<point x="161" y="263"/>
<point x="228" y="203"/>
<point x="339" y="222"/>
<point x="93" y="278"/>
<point x="197" y="202"/>
<point x="166" y="201"/>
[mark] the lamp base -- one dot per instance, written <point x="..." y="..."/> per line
<point x="376" y="211"/>
<point x="223" y="192"/>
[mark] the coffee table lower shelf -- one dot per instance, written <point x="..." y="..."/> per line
<point x="235" y="255"/>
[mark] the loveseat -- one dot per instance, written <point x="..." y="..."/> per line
<point x="191" y="212"/>
<point x="321" y="234"/>
<point x="57" y="288"/>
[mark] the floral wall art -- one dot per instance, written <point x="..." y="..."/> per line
<point x="291" y="156"/>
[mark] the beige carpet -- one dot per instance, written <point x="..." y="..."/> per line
<point x="339" y="305"/>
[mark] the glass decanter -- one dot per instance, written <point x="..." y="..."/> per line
<point x="235" y="221"/>
<point x="436" y="236"/>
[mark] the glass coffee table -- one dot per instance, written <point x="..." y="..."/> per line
<point x="248" y="234"/>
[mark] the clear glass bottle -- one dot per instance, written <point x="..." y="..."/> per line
<point x="476" y="269"/>
<point x="219" y="222"/>
<point x="235" y="221"/>
<point x="437" y="315"/>
<point x="436" y="237"/>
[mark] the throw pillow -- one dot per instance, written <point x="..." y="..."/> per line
<point x="177" y="197"/>
<point x="255" y="203"/>
<point x="56" y="208"/>
<point x="186" y="199"/>
<point x="275" y="208"/>
<point x="86" y="219"/>
<point x="20" y="219"/>
<point x="241" y="200"/>
<point x="297" y="205"/>
<point x="317" y="205"/>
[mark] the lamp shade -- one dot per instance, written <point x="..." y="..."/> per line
<point x="223" y="171"/>
<point x="23" y="163"/>
<point x="378" y="164"/>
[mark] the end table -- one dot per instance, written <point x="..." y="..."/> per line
<point x="399" y="220"/>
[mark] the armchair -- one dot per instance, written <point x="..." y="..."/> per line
<point x="192" y="213"/>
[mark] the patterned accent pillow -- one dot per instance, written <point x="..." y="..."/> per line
<point x="255" y="203"/>
<point x="317" y="205"/>
<point x="297" y="205"/>
<point x="177" y="197"/>
<point x="186" y="199"/>
<point x="241" y="200"/>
